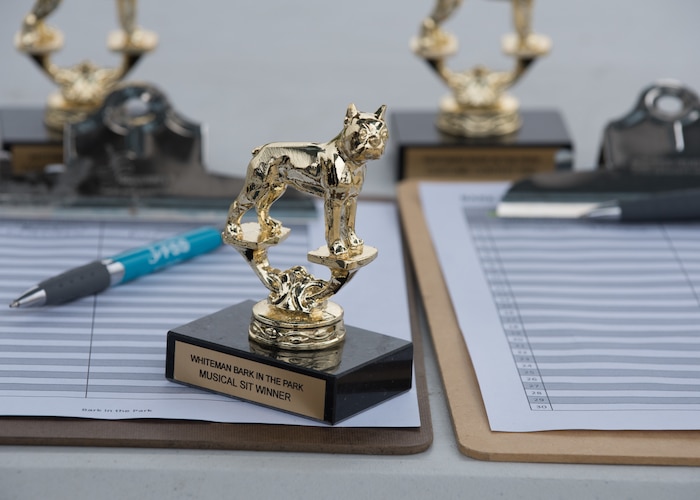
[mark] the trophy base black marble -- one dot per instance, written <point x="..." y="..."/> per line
<point x="541" y="144"/>
<point x="330" y="385"/>
<point x="30" y="144"/>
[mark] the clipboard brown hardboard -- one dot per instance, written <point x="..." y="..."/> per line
<point x="45" y="431"/>
<point x="474" y="437"/>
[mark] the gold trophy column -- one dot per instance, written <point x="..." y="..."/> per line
<point x="82" y="87"/>
<point x="479" y="105"/>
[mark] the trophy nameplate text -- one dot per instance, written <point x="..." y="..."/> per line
<point x="541" y="144"/>
<point x="481" y="132"/>
<point x="293" y="351"/>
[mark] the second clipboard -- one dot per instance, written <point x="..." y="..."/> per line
<point x="470" y="422"/>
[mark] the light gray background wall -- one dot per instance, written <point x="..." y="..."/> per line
<point x="257" y="71"/>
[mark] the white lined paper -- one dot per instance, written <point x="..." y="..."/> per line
<point x="103" y="356"/>
<point x="572" y="324"/>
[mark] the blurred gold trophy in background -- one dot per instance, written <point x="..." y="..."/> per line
<point x="82" y="87"/>
<point x="478" y="105"/>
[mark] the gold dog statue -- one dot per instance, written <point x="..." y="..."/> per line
<point x="334" y="170"/>
<point x="297" y="314"/>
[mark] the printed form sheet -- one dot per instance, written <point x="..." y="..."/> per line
<point x="104" y="356"/>
<point x="572" y="324"/>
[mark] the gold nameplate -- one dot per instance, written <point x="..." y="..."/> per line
<point x="249" y="380"/>
<point x="478" y="164"/>
<point x="28" y="159"/>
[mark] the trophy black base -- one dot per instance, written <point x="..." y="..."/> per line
<point x="541" y="144"/>
<point x="30" y="144"/>
<point x="214" y="353"/>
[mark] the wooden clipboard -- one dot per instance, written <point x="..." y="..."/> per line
<point x="151" y="433"/>
<point x="474" y="437"/>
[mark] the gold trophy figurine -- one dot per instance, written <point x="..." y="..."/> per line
<point x="297" y="314"/>
<point x="479" y="106"/>
<point x="293" y="350"/>
<point x="82" y="87"/>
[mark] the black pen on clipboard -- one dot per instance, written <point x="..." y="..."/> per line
<point x="681" y="205"/>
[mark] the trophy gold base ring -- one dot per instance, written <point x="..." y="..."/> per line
<point x="300" y="331"/>
<point x="501" y="118"/>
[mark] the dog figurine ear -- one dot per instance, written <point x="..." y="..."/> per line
<point x="351" y="113"/>
<point x="380" y="112"/>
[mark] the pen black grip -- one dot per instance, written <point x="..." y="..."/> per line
<point x="682" y="205"/>
<point x="79" y="282"/>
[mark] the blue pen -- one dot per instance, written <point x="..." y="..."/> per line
<point x="101" y="274"/>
